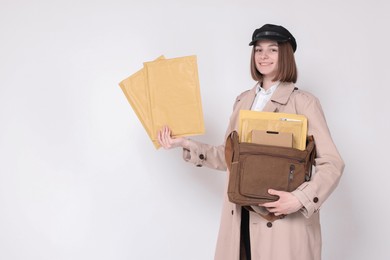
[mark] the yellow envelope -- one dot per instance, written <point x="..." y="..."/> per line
<point x="175" y="95"/>
<point x="137" y="94"/>
<point x="167" y="92"/>
<point x="269" y="121"/>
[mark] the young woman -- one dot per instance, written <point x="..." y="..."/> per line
<point x="249" y="235"/>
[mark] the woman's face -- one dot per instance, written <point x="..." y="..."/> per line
<point x="266" y="57"/>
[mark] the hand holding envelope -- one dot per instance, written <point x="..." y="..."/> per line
<point x="166" y="92"/>
<point x="167" y="142"/>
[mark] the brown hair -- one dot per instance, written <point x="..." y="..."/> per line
<point x="287" y="68"/>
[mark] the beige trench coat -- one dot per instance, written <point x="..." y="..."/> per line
<point x="298" y="235"/>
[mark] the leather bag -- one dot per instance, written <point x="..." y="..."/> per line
<point x="255" y="168"/>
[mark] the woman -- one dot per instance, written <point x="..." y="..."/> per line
<point x="249" y="235"/>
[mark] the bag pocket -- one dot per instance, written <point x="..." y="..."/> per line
<point x="261" y="172"/>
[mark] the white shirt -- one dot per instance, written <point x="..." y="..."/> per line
<point x="263" y="96"/>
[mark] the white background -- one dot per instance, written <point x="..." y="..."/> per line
<point x="79" y="178"/>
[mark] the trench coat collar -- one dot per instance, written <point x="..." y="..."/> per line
<point x="248" y="99"/>
<point x="280" y="96"/>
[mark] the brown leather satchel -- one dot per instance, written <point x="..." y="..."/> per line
<point x="255" y="168"/>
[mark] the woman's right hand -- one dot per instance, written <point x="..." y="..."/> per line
<point x="167" y="142"/>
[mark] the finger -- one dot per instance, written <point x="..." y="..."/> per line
<point x="268" y="205"/>
<point x="160" y="138"/>
<point x="164" y="138"/>
<point x="164" y="135"/>
<point x="273" y="192"/>
<point x="272" y="210"/>
<point x="170" y="141"/>
<point x="167" y="143"/>
<point x="167" y="131"/>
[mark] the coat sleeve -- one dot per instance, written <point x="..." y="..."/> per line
<point x="207" y="155"/>
<point x="329" y="165"/>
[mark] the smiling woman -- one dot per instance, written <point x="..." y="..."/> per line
<point x="289" y="228"/>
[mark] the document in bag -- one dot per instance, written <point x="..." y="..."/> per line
<point x="166" y="92"/>
<point x="273" y="122"/>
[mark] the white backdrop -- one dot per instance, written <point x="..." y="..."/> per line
<point x="79" y="178"/>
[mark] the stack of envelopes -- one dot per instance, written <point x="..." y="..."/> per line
<point x="276" y="122"/>
<point x="166" y="92"/>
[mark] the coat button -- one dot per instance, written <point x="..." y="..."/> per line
<point x="269" y="224"/>
<point x="315" y="200"/>
<point x="232" y="212"/>
<point x="201" y="156"/>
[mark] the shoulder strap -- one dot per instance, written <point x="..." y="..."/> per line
<point x="232" y="149"/>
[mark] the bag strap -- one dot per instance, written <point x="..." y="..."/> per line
<point x="310" y="146"/>
<point x="311" y="149"/>
<point x="232" y="149"/>
<point x="236" y="146"/>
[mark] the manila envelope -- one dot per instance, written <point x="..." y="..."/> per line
<point x="166" y="92"/>
<point x="272" y="138"/>
<point x="278" y="122"/>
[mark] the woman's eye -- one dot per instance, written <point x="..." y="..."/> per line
<point x="258" y="50"/>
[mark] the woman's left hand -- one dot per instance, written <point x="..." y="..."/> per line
<point x="286" y="204"/>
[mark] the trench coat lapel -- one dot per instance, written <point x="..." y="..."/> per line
<point x="243" y="102"/>
<point x="247" y="101"/>
<point x="280" y="97"/>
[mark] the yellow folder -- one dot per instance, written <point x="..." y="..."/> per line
<point x="268" y="121"/>
<point x="167" y="92"/>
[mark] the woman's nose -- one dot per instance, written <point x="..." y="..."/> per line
<point x="264" y="55"/>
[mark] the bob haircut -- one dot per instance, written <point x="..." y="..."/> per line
<point x="287" y="68"/>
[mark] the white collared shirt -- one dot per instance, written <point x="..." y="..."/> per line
<point x="263" y="96"/>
